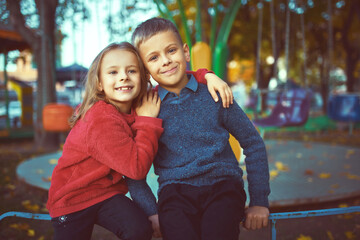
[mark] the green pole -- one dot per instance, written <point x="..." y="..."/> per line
<point x="213" y="26"/>
<point x="198" y="33"/>
<point x="221" y="54"/>
<point x="167" y="13"/>
<point x="184" y="22"/>
<point x="6" y="90"/>
<point x="221" y="51"/>
<point x="230" y="20"/>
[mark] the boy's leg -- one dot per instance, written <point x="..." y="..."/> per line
<point x="77" y="225"/>
<point x="223" y="211"/>
<point x="124" y="218"/>
<point x="179" y="216"/>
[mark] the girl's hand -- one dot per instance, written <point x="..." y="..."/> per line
<point x="154" y="219"/>
<point x="150" y="105"/>
<point x="216" y="84"/>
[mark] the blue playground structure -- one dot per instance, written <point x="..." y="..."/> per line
<point x="273" y="216"/>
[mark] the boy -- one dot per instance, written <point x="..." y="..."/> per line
<point x="201" y="193"/>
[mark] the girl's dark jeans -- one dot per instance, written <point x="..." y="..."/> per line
<point x="118" y="214"/>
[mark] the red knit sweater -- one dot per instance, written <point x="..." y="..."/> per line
<point x="99" y="151"/>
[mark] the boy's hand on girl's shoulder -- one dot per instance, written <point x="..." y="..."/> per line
<point x="154" y="219"/>
<point x="216" y="84"/>
<point x="256" y="217"/>
<point x="150" y="105"/>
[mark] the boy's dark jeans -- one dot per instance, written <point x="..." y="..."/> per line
<point x="207" y="212"/>
<point x="118" y="214"/>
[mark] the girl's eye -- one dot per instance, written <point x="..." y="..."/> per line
<point x="113" y="72"/>
<point x="132" y="71"/>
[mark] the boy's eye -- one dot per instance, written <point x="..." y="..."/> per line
<point x="172" y="50"/>
<point x="153" y="58"/>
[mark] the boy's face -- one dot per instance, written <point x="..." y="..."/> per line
<point x="165" y="59"/>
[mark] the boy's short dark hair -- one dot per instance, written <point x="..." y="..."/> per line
<point x="150" y="27"/>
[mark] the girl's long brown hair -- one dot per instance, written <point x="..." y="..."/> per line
<point x="92" y="80"/>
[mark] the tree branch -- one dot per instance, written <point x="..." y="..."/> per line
<point x="18" y="22"/>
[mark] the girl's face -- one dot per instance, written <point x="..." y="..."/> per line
<point x="120" y="78"/>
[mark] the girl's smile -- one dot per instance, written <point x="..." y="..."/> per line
<point x="120" y="78"/>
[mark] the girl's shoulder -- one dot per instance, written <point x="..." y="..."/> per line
<point x="108" y="112"/>
<point x="102" y="109"/>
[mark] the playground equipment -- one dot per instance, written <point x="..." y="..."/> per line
<point x="291" y="109"/>
<point x="56" y="116"/>
<point x="24" y="94"/>
<point x="9" y="41"/>
<point x="273" y="216"/>
<point x="345" y="107"/>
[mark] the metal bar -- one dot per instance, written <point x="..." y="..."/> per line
<point x="303" y="214"/>
<point x="36" y="216"/>
<point x="273" y="229"/>
<point x="314" y="213"/>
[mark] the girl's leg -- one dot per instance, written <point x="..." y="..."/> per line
<point x="126" y="220"/>
<point x="75" y="226"/>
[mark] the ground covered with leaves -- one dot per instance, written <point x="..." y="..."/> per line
<point x="16" y="195"/>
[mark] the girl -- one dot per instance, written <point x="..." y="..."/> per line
<point x="108" y="141"/>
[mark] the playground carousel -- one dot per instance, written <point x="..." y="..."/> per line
<point x="22" y="126"/>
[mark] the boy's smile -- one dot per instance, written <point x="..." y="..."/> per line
<point x="165" y="59"/>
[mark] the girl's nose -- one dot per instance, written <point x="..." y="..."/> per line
<point x="123" y="76"/>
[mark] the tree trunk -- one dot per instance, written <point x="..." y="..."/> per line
<point x="42" y="42"/>
<point x="352" y="51"/>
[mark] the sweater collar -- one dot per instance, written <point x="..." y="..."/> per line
<point x="192" y="85"/>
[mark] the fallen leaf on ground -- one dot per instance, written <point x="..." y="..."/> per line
<point x="46" y="179"/>
<point x="273" y="174"/>
<point x="281" y="167"/>
<point x="303" y="237"/>
<point x="20" y="226"/>
<point x="350" y="235"/>
<point x="31" y="207"/>
<point x="324" y="175"/>
<point x="53" y="161"/>
<point x="31" y="232"/>
<point x="349" y="153"/>
<point x="330" y="236"/>
<point x="309" y="172"/>
<point x="352" y="176"/>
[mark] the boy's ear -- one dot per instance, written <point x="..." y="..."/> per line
<point x="186" y="52"/>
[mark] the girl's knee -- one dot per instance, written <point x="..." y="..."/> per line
<point x="141" y="232"/>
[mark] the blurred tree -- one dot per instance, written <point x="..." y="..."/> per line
<point x="37" y="22"/>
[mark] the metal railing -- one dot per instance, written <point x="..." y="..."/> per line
<point x="273" y="216"/>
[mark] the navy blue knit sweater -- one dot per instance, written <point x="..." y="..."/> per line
<point x="194" y="148"/>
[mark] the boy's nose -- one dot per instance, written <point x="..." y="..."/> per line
<point x="166" y="60"/>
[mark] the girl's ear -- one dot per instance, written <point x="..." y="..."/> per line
<point x="99" y="87"/>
